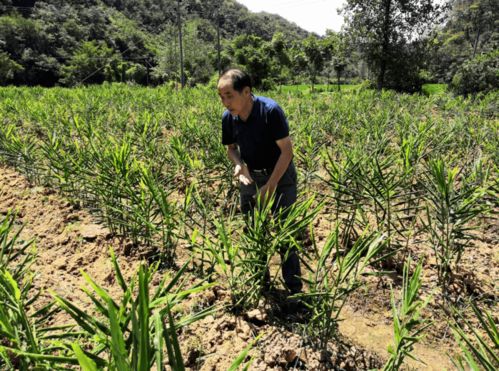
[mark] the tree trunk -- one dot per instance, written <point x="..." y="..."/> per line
<point x="475" y="46"/>
<point x="385" y="46"/>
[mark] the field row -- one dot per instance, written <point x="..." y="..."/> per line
<point x="397" y="178"/>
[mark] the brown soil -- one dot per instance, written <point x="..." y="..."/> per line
<point x="69" y="240"/>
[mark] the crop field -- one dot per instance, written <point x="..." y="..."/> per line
<point x="122" y="246"/>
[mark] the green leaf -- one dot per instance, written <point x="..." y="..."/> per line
<point x="86" y="363"/>
<point x="118" y="350"/>
<point x="242" y="356"/>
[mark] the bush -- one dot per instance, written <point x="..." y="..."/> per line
<point x="403" y="76"/>
<point x="92" y="63"/>
<point x="136" y="73"/>
<point x="479" y="74"/>
<point x="8" y="68"/>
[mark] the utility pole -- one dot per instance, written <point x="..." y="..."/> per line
<point x="182" y="77"/>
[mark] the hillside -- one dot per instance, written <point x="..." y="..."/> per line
<point x="63" y="42"/>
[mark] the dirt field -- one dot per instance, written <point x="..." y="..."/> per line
<point x="70" y="240"/>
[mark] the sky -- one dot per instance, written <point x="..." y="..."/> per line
<point x="311" y="15"/>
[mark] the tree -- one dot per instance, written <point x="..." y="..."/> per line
<point x="470" y="30"/>
<point x="27" y="45"/>
<point x="46" y="39"/>
<point x="251" y="52"/>
<point x="93" y="63"/>
<point x="314" y="52"/>
<point x="477" y="18"/>
<point x="386" y="29"/>
<point x="199" y="51"/>
<point x="8" y="69"/>
<point x="478" y="74"/>
<point x="336" y="45"/>
<point x="281" y="61"/>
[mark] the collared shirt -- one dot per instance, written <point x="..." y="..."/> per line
<point x="257" y="136"/>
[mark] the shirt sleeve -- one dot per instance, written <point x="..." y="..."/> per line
<point x="279" y="126"/>
<point x="227" y="130"/>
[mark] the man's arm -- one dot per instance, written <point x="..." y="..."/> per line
<point x="241" y="170"/>
<point x="280" y="168"/>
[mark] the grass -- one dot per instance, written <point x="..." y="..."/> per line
<point x="319" y="88"/>
<point x="434" y="89"/>
<point x="427" y="89"/>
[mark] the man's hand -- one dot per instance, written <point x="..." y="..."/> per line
<point x="242" y="173"/>
<point x="267" y="191"/>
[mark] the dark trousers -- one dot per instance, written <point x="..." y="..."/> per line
<point x="285" y="196"/>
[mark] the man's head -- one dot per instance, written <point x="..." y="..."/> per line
<point x="234" y="89"/>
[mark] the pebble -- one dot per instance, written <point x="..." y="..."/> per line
<point x="91" y="231"/>
<point x="257" y="314"/>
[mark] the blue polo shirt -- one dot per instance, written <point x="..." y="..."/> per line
<point x="257" y="136"/>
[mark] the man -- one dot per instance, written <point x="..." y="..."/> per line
<point x="256" y="133"/>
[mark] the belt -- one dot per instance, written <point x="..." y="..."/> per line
<point x="261" y="171"/>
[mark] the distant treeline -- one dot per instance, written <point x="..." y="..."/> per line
<point x="394" y="44"/>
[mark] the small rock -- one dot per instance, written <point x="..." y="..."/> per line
<point x="60" y="263"/>
<point x="269" y="359"/>
<point x="72" y="217"/>
<point x="62" y="240"/>
<point x="290" y="355"/>
<point x="91" y="231"/>
<point x="257" y="315"/>
<point x="243" y="330"/>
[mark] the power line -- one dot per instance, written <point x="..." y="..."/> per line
<point x="17" y="7"/>
<point x="99" y="69"/>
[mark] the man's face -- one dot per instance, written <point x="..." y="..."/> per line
<point x="235" y="102"/>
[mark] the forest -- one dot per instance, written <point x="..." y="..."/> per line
<point x="392" y="44"/>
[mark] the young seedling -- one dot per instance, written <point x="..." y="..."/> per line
<point x="408" y="325"/>
<point x="480" y="351"/>
<point x="335" y="277"/>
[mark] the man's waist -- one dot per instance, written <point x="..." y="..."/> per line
<point x="261" y="171"/>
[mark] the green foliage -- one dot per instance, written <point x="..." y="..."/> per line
<point x="431" y="89"/>
<point x="26" y="339"/>
<point x="315" y="57"/>
<point x="8" y="68"/>
<point x="244" y="258"/>
<point x="386" y="33"/>
<point x="238" y="362"/>
<point x="403" y="68"/>
<point x="336" y="47"/>
<point x="47" y="44"/>
<point x="334" y="278"/>
<point x="14" y="252"/>
<point x="408" y="325"/>
<point x="480" y="351"/>
<point x="470" y="30"/>
<point x="199" y="53"/>
<point x="147" y="162"/>
<point x="92" y="63"/>
<point x="476" y="75"/>
<point x="250" y="52"/>
<point x="28" y="49"/>
<point x="450" y="210"/>
<point x="132" y="333"/>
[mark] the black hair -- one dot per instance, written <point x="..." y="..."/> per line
<point x="237" y="77"/>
